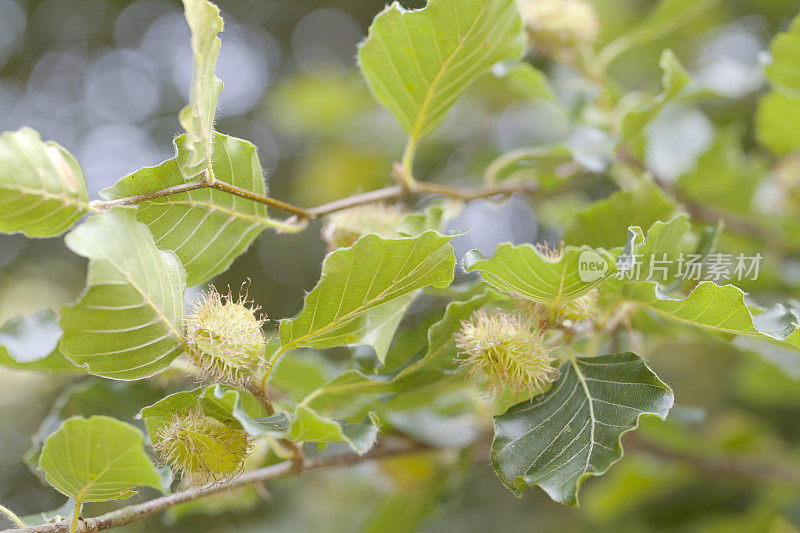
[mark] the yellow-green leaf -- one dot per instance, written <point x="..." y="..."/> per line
<point x="128" y="323"/>
<point x="417" y="63"/>
<point x="198" y="117"/>
<point x="97" y="459"/>
<point x="42" y="188"/>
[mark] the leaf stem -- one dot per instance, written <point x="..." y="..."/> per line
<point x="407" y="175"/>
<point x="11" y="516"/>
<point x="75" y="514"/>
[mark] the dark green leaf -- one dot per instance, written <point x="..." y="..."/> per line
<point x="573" y="431"/>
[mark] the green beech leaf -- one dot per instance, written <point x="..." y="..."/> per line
<point x="524" y="271"/>
<point x="346" y="386"/>
<point x="31" y="343"/>
<point x="224" y="403"/>
<point x="604" y="223"/>
<point x="197" y="118"/>
<point x="381" y="325"/>
<point x="302" y="374"/>
<point x="784" y="71"/>
<point x="573" y="431"/>
<point x="206" y="228"/>
<point x="441" y="348"/>
<point x="42" y="189"/>
<point x="719" y="308"/>
<point x="62" y="513"/>
<point x="417" y="63"/>
<point x="776" y="117"/>
<point x="97" y="459"/>
<point x="128" y="322"/>
<point x="357" y="280"/>
<point x="310" y="426"/>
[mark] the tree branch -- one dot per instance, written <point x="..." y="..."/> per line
<point x="139" y="198"/>
<point x="379" y="195"/>
<point x="133" y="513"/>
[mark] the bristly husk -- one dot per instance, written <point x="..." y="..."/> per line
<point x="505" y="352"/>
<point x="225" y="338"/>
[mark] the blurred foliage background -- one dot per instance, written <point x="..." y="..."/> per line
<point x="105" y="78"/>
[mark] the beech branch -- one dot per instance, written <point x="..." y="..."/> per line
<point x="133" y="513"/>
<point x="304" y="214"/>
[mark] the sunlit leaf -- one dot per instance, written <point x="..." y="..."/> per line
<point x="573" y="431"/>
<point x="223" y="403"/>
<point x="310" y="426"/>
<point x="42" y="188"/>
<point x="357" y="280"/>
<point x="345" y="386"/>
<point x="198" y="117"/>
<point x="719" y="308"/>
<point x="206" y="228"/>
<point x="418" y="63"/>
<point x="523" y="270"/>
<point x="381" y="324"/>
<point x="97" y="459"/>
<point x="605" y="223"/>
<point x="128" y="323"/>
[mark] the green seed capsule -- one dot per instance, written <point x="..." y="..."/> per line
<point x="203" y="449"/>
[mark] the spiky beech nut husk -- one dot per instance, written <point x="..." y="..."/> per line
<point x="224" y="337"/>
<point x="787" y="175"/>
<point x="559" y="27"/>
<point x="505" y="352"/>
<point x="203" y="449"/>
<point x="344" y="228"/>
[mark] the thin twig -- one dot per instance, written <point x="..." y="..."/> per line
<point x="139" y="198"/>
<point x="266" y="200"/>
<point x="132" y="513"/>
<point x="389" y="193"/>
<point x="380" y="195"/>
